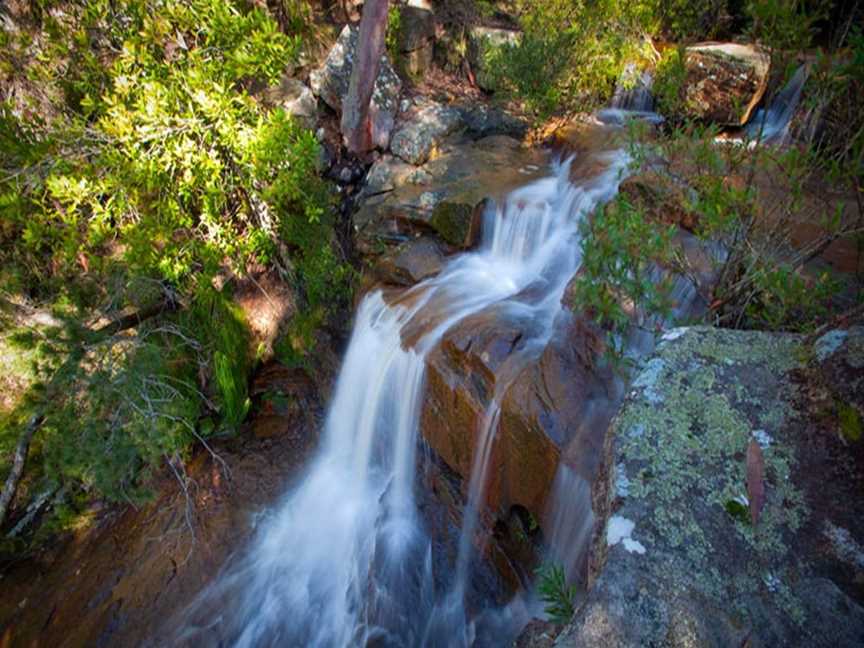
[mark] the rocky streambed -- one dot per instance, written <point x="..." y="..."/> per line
<point x="650" y="510"/>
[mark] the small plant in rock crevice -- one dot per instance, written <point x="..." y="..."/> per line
<point x="555" y="593"/>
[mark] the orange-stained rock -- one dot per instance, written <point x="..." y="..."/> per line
<point x="544" y="401"/>
<point x="725" y="82"/>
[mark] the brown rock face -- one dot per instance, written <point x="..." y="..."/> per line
<point x="545" y="396"/>
<point x="412" y="262"/>
<point x="725" y="82"/>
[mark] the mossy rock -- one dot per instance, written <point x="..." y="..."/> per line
<point x="458" y="223"/>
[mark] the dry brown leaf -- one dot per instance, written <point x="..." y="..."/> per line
<point x="755" y="480"/>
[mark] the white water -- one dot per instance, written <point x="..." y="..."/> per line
<point x="632" y="100"/>
<point x="344" y="560"/>
<point x="771" y="125"/>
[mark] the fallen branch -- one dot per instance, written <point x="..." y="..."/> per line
<point x="21" y="451"/>
<point x="132" y="320"/>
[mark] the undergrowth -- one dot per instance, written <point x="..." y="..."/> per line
<point x="139" y="168"/>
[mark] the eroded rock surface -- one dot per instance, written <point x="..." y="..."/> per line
<point x="548" y="395"/>
<point x="684" y="564"/>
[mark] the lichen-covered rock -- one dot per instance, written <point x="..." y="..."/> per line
<point x="330" y="83"/>
<point x="724" y="82"/>
<point x="415" y="140"/>
<point x="678" y="561"/>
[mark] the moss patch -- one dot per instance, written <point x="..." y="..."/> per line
<point x="850" y="422"/>
<point x="453" y="222"/>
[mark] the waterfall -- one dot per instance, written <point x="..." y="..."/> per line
<point x="632" y="99"/>
<point x="344" y="559"/>
<point x="770" y="125"/>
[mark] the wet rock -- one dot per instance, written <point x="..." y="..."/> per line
<point x="415" y="140"/>
<point x="724" y="82"/>
<point x="330" y="83"/>
<point x="681" y="564"/>
<point x="537" y="634"/>
<point x="459" y="224"/>
<point x="465" y="173"/>
<point x="285" y="400"/>
<point x="412" y="262"/>
<point x="545" y="404"/>
<point x="563" y="399"/>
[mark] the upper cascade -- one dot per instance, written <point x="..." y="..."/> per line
<point x="346" y="558"/>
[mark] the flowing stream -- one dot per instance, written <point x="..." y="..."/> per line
<point x="345" y="558"/>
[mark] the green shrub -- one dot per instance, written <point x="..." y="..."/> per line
<point x="153" y="164"/>
<point x="118" y="412"/>
<point x="555" y="593"/>
<point x="571" y="53"/>
<point x="223" y="336"/>
<point x="670" y="76"/>
<point x="621" y="249"/>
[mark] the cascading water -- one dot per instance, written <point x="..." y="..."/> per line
<point x="632" y="100"/>
<point x="771" y="125"/>
<point x="345" y="559"/>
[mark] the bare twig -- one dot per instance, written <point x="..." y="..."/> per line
<point x="21" y="451"/>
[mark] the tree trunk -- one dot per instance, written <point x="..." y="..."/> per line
<point x="356" y="125"/>
<point x="18" y="465"/>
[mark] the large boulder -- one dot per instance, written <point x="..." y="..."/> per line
<point x="684" y="554"/>
<point x="547" y="397"/>
<point x="330" y="83"/>
<point x="416" y="139"/>
<point x="724" y="82"/>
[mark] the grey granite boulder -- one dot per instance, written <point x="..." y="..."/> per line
<point x="330" y="83"/>
<point x="677" y="559"/>
<point x="415" y="140"/>
<point x="297" y="100"/>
